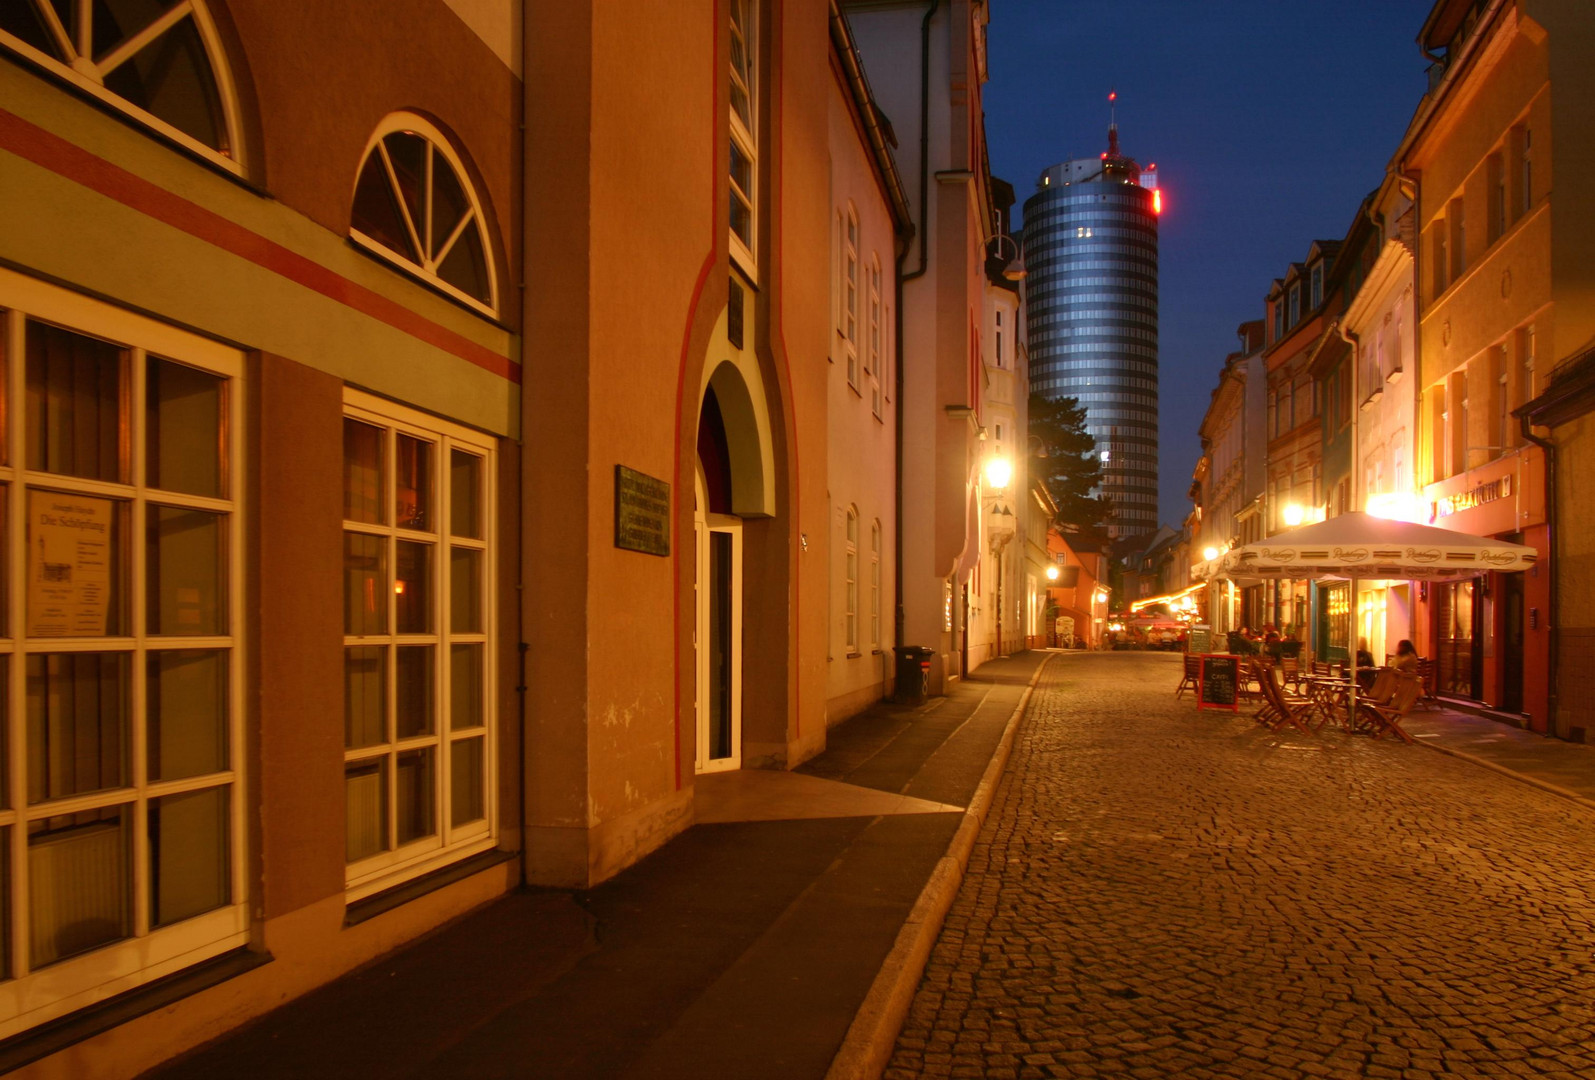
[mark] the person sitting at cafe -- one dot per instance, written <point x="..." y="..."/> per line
<point x="1406" y="660"/>
<point x="1365" y="666"/>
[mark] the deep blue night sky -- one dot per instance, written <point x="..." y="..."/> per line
<point x="1269" y="120"/>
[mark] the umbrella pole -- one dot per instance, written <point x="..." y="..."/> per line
<point x="1351" y="718"/>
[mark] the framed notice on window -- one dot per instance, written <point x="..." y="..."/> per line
<point x="69" y="564"/>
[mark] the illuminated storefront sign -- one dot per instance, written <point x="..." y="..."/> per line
<point x="1447" y="505"/>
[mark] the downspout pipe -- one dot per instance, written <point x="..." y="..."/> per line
<point x="898" y="616"/>
<point x="1526" y="426"/>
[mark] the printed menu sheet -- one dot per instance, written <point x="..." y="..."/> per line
<point x="69" y="564"/>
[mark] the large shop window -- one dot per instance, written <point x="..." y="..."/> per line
<point x="159" y="62"/>
<point x="414" y="205"/>
<point x="419" y="719"/>
<point x="121" y="628"/>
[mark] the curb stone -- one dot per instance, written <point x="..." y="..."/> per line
<point x="868" y="1044"/>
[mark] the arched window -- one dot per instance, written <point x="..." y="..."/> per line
<point x="850" y="291"/>
<point x="413" y="204"/>
<point x="157" y="61"/>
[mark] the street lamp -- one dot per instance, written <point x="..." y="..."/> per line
<point x="1210" y="553"/>
<point x="1052" y="572"/>
<point x="1293" y="515"/>
<point x="999" y="471"/>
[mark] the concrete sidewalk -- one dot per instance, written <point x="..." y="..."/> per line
<point x="743" y="948"/>
<point x="1564" y="767"/>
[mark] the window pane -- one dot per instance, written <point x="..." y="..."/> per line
<point x="189" y="839"/>
<point x="365" y="696"/>
<point x="465" y="590"/>
<point x="365" y="584"/>
<point x="415" y="799"/>
<point x="75" y="565"/>
<point x="376" y="209"/>
<point x="408" y="152"/>
<point x="171" y="78"/>
<point x="465" y="686"/>
<point x="365" y="797"/>
<point x="414" y="704"/>
<point x="78" y="889"/>
<point x="187" y="713"/>
<point x="77" y="723"/>
<point x="465" y="494"/>
<point x="413" y="588"/>
<point x="184" y="444"/>
<point x="362" y="472"/>
<point x="414" y="484"/>
<point x="465" y="266"/>
<point x="449" y="203"/>
<point x="187" y="571"/>
<point x="76" y="404"/>
<point x="22" y="19"/>
<point x="466" y="783"/>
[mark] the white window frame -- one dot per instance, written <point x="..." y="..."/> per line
<point x="87" y="74"/>
<point x="875" y="585"/>
<point x="873" y="364"/>
<point x="28" y="999"/>
<point x="743" y="136"/>
<point x="427" y="269"/>
<point x="850" y="579"/>
<point x="448" y="845"/>
<point x="851" y="287"/>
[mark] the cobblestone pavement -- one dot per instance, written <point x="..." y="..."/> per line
<point x="1163" y="893"/>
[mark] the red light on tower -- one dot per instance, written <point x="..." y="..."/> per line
<point x="1157" y="200"/>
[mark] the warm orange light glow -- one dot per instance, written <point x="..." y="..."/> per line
<point x="1171" y="598"/>
<point x="398" y="588"/>
<point x="1157" y="200"/>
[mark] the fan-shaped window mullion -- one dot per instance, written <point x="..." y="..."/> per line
<point x="56" y="29"/>
<point x="443" y="236"/>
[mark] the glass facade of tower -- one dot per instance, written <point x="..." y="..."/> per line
<point x="1090" y="235"/>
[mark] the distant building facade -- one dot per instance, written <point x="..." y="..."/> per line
<point x="1091" y="257"/>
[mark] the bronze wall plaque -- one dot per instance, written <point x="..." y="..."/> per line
<point x="642" y="512"/>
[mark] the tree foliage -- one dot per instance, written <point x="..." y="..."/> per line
<point x="1071" y="468"/>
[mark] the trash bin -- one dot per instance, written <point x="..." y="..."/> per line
<point x="913" y="674"/>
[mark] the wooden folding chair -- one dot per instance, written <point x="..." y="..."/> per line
<point x="1428" y="684"/>
<point x="1380" y="720"/>
<point x="1289" y="710"/>
<point x="1192" y="679"/>
<point x="1257" y="671"/>
<point x="1291" y="675"/>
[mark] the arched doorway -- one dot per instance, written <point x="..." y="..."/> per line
<point x="718" y="585"/>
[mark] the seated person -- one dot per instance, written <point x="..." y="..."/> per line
<point x="1365" y="666"/>
<point x="1406" y="660"/>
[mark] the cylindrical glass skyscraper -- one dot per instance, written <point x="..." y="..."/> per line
<point x="1090" y="254"/>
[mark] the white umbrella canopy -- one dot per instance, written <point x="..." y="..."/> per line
<point x="1363" y="546"/>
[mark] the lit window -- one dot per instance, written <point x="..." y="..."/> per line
<point x="418" y="615"/>
<point x="744" y="133"/>
<point x="850" y="547"/>
<point x="412" y="205"/>
<point x="121" y="651"/>
<point x="161" y="63"/>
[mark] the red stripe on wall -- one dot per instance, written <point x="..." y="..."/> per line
<point x="50" y="151"/>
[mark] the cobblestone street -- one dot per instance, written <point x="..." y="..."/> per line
<point x="1165" y="893"/>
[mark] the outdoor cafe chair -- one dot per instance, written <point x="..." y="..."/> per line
<point x="1381" y="719"/>
<point x="1428" y="684"/>
<point x="1192" y="679"/>
<point x="1288" y="709"/>
<point x="1291" y="673"/>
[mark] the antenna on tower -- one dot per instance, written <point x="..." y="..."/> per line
<point x="1113" y="123"/>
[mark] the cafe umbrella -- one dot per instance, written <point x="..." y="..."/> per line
<point x="1356" y="547"/>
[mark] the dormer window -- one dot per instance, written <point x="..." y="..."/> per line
<point x="159" y="63"/>
<point x="1317" y="296"/>
<point x="414" y="206"/>
<point x="1295" y="307"/>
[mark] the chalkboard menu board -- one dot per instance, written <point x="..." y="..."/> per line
<point x="1220" y="680"/>
<point x="1199" y="640"/>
